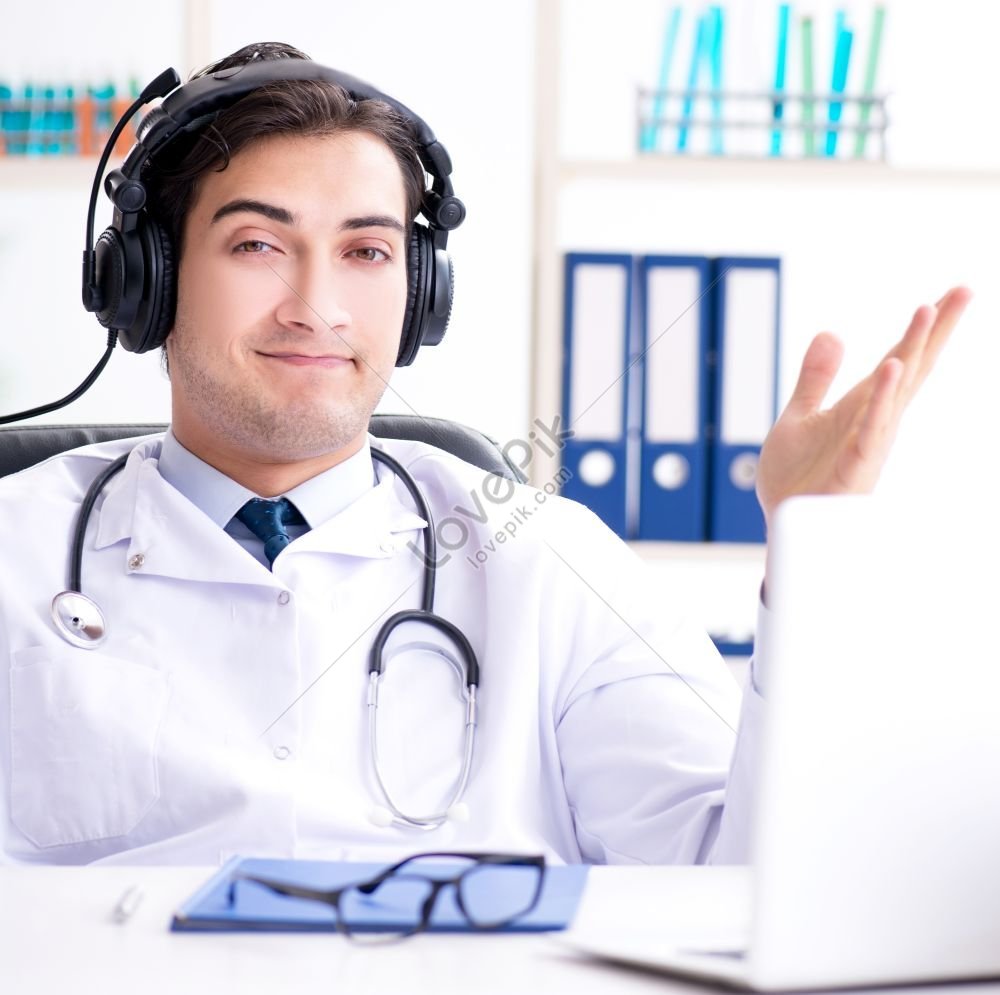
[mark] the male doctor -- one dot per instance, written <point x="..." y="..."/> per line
<point x="227" y="710"/>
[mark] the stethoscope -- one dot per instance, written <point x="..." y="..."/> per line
<point x="81" y="622"/>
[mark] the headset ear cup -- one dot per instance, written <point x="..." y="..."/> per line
<point x="109" y="274"/>
<point x="416" y="295"/>
<point x="164" y="292"/>
<point x="134" y="272"/>
<point x="442" y="298"/>
<point x="153" y="310"/>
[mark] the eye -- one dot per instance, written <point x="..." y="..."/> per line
<point x="370" y="254"/>
<point x="253" y="247"/>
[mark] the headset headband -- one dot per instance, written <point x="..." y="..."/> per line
<point x="192" y="105"/>
<point x="128" y="277"/>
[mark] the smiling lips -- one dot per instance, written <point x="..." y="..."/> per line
<point x="302" y="359"/>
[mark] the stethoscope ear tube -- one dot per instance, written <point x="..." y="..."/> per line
<point x="390" y="813"/>
<point x="80" y="533"/>
<point x="376" y="669"/>
<point x="376" y="665"/>
<point x="430" y="543"/>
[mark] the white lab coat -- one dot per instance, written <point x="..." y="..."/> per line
<point x="226" y="712"/>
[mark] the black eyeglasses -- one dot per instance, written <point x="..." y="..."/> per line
<point x="490" y="891"/>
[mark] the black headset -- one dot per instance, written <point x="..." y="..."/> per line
<point x="129" y="279"/>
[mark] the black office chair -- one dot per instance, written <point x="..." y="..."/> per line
<point x="22" y="446"/>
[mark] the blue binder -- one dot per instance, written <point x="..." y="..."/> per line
<point x="747" y="293"/>
<point x="596" y="382"/>
<point x="225" y="904"/>
<point x="676" y="341"/>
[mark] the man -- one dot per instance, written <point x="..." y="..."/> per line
<point x="228" y="709"/>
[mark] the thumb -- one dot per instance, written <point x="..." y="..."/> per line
<point x="819" y="367"/>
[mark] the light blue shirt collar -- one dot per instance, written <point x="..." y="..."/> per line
<point x="220" y="497"/>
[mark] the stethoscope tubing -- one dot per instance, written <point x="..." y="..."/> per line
<point x="433" y="819"/>
<point x="83" y="517"/>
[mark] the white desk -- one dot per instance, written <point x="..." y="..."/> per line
<point x="57" y="937"/>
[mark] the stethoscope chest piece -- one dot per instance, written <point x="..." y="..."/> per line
<point x="79" y="620"/>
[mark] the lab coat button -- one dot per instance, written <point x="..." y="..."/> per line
<point x="284" y="598"/>
<point x="388" y="547"/>
<point x="135" y="562"/>
<point x="282" y="753"/>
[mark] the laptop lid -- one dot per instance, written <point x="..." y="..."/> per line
<point x="877" y="826"/>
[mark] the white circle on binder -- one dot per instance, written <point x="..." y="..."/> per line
<point x="671" y="471"/>
<point x="743" y="471"/>
<point x="597" y="467"/>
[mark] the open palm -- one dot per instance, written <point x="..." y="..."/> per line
<point x="842" y="449"/>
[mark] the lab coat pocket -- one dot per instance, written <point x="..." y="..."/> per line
<point x="84" y="730"/>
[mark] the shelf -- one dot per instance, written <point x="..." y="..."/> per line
<point x="725" y="169"/>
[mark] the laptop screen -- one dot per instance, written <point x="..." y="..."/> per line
<point x="878" y="809"/>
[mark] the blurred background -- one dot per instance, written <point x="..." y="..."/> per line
<point x="541" y="105"/>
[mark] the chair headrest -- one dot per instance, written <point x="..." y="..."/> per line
<point x="22" y="446"/>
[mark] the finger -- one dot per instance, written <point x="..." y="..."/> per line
<point x="819" y="367"/>
<point x="949" y="312"/>
<point x="881" y="418"/>
<point x="915" y="337"/>
<point x="927" y="335"/>
<point x="964" y="292"/>
<point x="911" y="348"/>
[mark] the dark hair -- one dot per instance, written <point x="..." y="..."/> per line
<point x="292" y="107"/>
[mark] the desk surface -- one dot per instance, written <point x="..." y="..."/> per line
<point x="57" y="936"/>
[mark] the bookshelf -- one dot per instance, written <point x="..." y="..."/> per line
<point x="914" y="226"/>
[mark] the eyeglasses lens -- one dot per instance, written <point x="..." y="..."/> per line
<point x="494" y="894"/>
<point x="392" y="911"/>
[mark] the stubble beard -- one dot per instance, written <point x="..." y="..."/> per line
<point x="301" y="428"/>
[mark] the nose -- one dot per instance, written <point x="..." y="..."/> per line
<point x="308" y="298"/>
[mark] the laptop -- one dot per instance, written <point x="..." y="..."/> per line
<point x="876" y="834"/>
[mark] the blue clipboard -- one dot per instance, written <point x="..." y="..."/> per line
<point x="225" y="905"/>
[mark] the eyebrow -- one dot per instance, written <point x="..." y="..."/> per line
<point x="284" y="216"/>
<point x="374" y="221"/>
<point x="279" y="214"/>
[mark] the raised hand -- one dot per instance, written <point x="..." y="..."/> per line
<point x="842" y="449"/>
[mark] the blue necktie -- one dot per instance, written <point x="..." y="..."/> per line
<point x="267" y="519"/>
